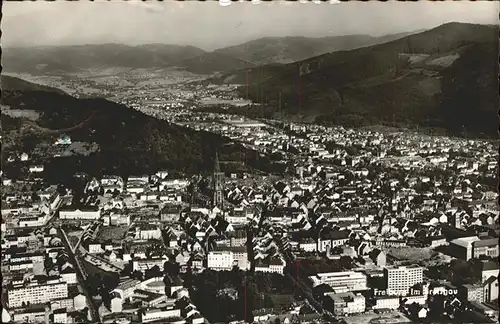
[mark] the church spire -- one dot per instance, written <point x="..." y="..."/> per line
<point x="216" y="165"/>
<point x="218" y="184"/>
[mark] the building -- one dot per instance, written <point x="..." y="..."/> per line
<point x="220" y="260"/>
<point x="60" y="316"/>
<point x="25" y="256"/>
<point x="170" y="213"/>
<point x="21" y="265"/>
<point x="80" y="214"/>
<point x="147" y="232"/>
<point x="36" y="293"/>
<point x="490" y="269"/>
<point x="466" y="248"/>
<point x="490" y="289"/>
<point x="345" y="281"/>
<point x="116" y="304"/>
<point x="32" y="220"/>
<point x="419" y="299"/>
<point x="225" y="258"/>
<point x="79" y="302"/>
<point x="126" y="288"/>
<point x="30" y="315"/>
<point x="400" y="279"/>
<point x="6" y="317"/>
<point x="218" y="185"/>
<point x="144" y="264"/>
<point x="329" y="238"/>
<point x="308" y="246"/>
<point x="238" y="217"/>
<point x="345" y="303"/>
<point x="471" y="293"/>
<point x="116" y="219"/>
<point x="487" y="247"/>
<point x="378" y="257"/>
<point x="62" y="303"/>
<point x="151" y="315"/>
<point x="271" y="265"/>
<point x="238" y="238"/>
<point x="386" y="302"/>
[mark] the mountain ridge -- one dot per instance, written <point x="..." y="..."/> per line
<point x="415" y="79"/>
<point x="74" y="58"/>
<point x="297" y="48"/>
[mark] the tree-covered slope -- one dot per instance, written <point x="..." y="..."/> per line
<point x="445" y="77"/>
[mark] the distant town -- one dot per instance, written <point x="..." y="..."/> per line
<point x="362" y="226"/>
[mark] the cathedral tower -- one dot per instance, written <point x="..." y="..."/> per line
<point x="218" y="184"/>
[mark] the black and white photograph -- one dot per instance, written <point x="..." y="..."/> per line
<point x="196" y="162"/>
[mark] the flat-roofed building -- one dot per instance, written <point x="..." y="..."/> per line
<point x="386" y="302"/>
<point x="466" y="248"/>
<point x="400" y="279"/>
<point x="462" y="247"/>
<point x="349" y="280"/>
<point x="155" y="314"/>
<point x="126" y="288"/>
<point x="35" y="292"/>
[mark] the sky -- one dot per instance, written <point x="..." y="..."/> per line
<point x="209" y="25"/>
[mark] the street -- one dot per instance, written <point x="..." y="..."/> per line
<point x="81" y="275"/>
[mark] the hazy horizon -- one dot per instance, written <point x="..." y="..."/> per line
<point x="27" y="24"/>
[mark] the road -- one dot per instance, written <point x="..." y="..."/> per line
<point x="301" y="284"/>
<point x="81" y="274"/>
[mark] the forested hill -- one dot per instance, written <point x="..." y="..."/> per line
<point x="130" y="142"/>
<point x="77" y="58"/>
<point x="446" y="77"/>
<point x="269" y="50"/>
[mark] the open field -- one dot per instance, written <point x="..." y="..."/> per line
<point x="411" y="253"/>
<point x="424" y="256"/>
<point x="112" y="233"/>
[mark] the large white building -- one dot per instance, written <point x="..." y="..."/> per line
<point x="386" y="302"/>
<point x="36" y="293"/>
<point x="151" y="315"/>
<point x="220" y="260"/>
<point x="86" y="214"/>
<point x="341" y="281"/>
<point x="271" y="265"/>
<point x="225" y="259"/>
<point x="400" y="279"/>
<point x="147" y="232"/>
<point x="32" y="220"/>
